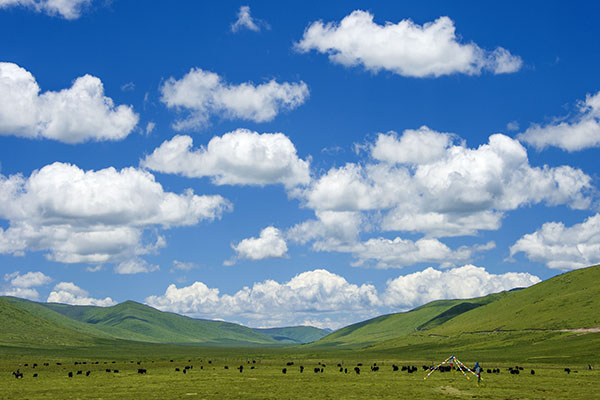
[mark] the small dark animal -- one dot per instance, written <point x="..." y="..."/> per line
<point x="284" y="370"/>
<point x="489" y="371"/>
<point x="107" y="370"/>
<point x="375" y="368"/>
<point x="568" y="370"/>
<point x="176" y="369"/>
<point x="532" y="372"/>
<point x="58" y="364"/>
<point x="357" y="370"/>
<point x="87" y="373"/>
<point x="252" y="367"/>
<point x="345" y="370"/>
<point x="35" y="375"/>
<point x="34" y="365"/>
<point x="142" y="370"/>
<point x="395" y="368"/>
<point x="46" y="364"/>
<point x="116" y="371"/>
<point x="359" y="364"/>
<point x="289" y="363"/>
<point x="226" y="367"/>
<point x="341" y="369"/>
<point x="18" y="374"/>
<point x="70" y="374"/>
<point x="301" y="369"/>
<point x="185" y="371"/>
<point x="317" y="370"/>
<point x="339" y="365"/>
<point x="241" y="368"/>
<point x="79" y="372"/>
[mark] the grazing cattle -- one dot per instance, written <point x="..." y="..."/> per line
<point x="107" y="369"/>
<point x="142" y="371"/>
<point x="27" y="365"/>
<point x="425" y="367"/>
<point x="345" y="370"/>
<point x="359" y="364"/>
<point x="170" y="360"/>
<point x="202" y="367"/>
<point x="185" y="371"/>
<point x="176" y="369"/>
<point x="284" y="370"/>
<point x="46" y="364"/>
<point x="18" y="374"/>
<point x="357" y="370"/>
<point x="301" y="369"/>
<point x="116" y="371"/>
<point x="226" y="367"/>
<point x="317" y="370"/>
<point x="341" y="369"/>
<point x="70" y="374"/>
<point x="252" y="367"/>
<point x="35" y="375"/>
<point x="87" y="373"/>
<point x="34" y="365"/>
<point x="339" y="365"/>
<point x="489" y="371"/>
<point x="79" y="372"/>
<point x="139" y="362"/>
<point x="289" y="363"/>
<point x="532" y="372"/>
<point x="395" y="368"/>
<point x="375" y="368"/>
<point x="568" y="370"/>
<point x="404" y="368"/>
<point x="241" y="368"/>
<point x="58" y="364"/>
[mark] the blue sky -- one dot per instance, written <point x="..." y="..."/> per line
<point x="275" y="164"/>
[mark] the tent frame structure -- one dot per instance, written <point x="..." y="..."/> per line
<point x="462" y="367"/>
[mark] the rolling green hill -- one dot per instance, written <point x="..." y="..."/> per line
<point x="295" y="334"/>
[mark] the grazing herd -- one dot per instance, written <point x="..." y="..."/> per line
<point x="320" y="368"/>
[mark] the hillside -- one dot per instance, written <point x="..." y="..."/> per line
<point x="392" y="326"/>
<point x="295" y="334"/>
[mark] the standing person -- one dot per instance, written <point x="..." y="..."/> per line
<point x="478" y="371"/>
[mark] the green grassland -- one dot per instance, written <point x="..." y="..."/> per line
<point x="547" y="327"/>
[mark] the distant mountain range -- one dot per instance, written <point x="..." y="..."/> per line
<point x="560" y="313"/>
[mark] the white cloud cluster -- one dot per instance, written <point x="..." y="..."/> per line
<point x="405" y="48"/>
<point x="67" y="9"/>
<point x="466" y="282"/>
<point x="240" y="157"/>
<point x="204" y="94"/>
<point x="269" y="303"/>
<point x="430" y="183"/>
<point x="69" y="293"/>
<point x="135" y="266"/>
<point x="321" y="298"/>
<point x="582" y="132"/>
<point x="562" y="247"/>
<point x="270" y="244"/>
<point x="74" y="115"/>
<point x="245" y="21"/>
<point x="23" y="286"/>
<point x="94" y="216"/>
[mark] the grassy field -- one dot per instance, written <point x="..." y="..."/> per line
<point x="210" y="380"/>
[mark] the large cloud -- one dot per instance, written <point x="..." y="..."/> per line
<point x="466" y="282"/>
<point x="69" y="293"/>
<point x="67" y="9"/>
<point x="270" y="244"/>
<point x="405" y="48"/>
<point x="449" y="189"/>
<point x="240" y="157"/>
<point x="94" y="216"/>
<point x="204" y="94"/>
<point x="74" y="115"/>
<point x="581" y="132"/>
<point x="562" y="247"/>
<point x="318" y="293"/>
<point x="23" y="285"/>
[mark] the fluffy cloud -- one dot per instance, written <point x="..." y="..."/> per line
<point x="405" y="48"/>
<point x="204" y="94"/>
<point x="135" y="266"/>
<point x="469" y="281"/>
<point x="74" y="115"/>
<point x="245" y="21"/>
<point x="398" y="252"/>
<point x="449" y="189"/>
<point x="94" y="216"/>
<point x="317" y="293"/>
<point x="23" y="286"/>
<point x="67" y="9"/>
<point x="582" y="132"/>
<point x="270" y="244"/>
<point x="69" y="293"/>
<point x="240" y="157"/>
<point x="562" y="247"/>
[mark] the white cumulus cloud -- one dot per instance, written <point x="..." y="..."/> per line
<point x="246" y="21"/>
<point x="23" y="285"/>
<point x="465" y="282"/>
<point x="204" y="94"/>
<point x="67" y="9"/>
<point x="318" y="293"/>
<point x="579" y="133"/>
<point x="94" y="216"/>
<point x="405" y="48"/>
<point x="241" y="157"/>
<point x="74" y="115"/>
<point x="69" y="293"/>
<point x="270" y="244"/>
<point x="135" y="266"/>
<point x="562" y="247"/>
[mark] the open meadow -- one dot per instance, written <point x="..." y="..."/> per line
<point x="214" y="373"/>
